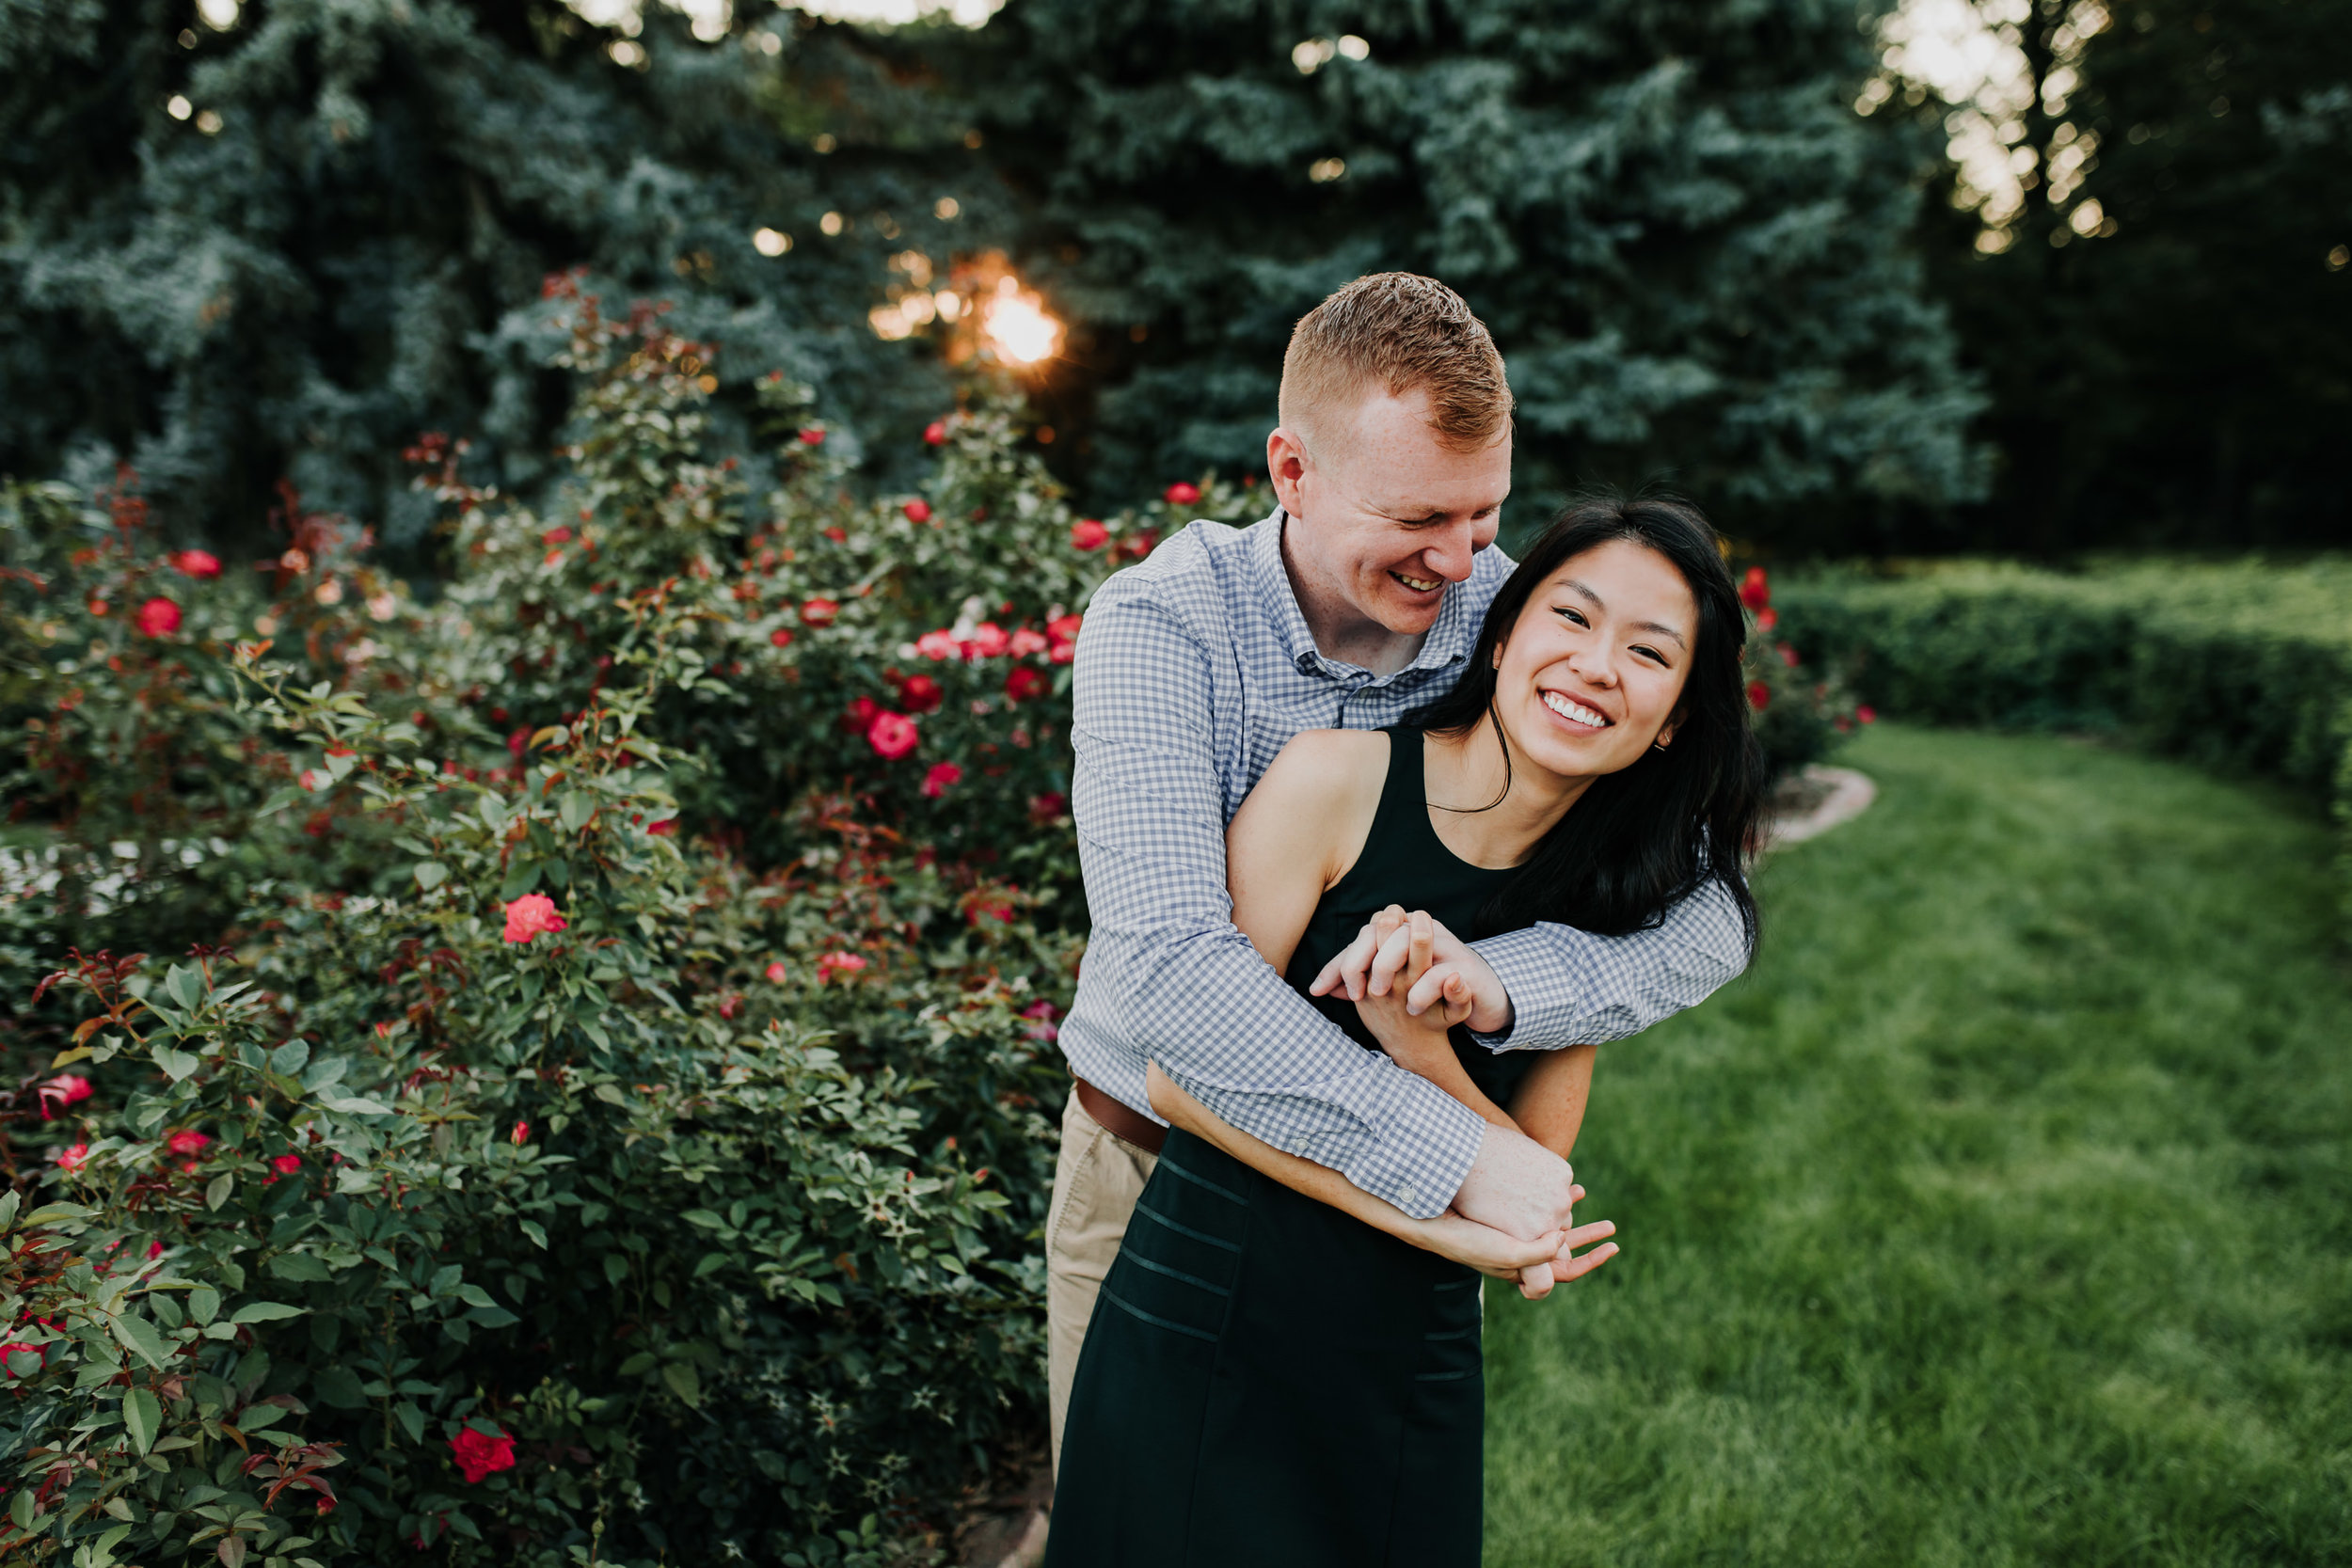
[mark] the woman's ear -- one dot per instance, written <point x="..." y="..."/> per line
<point x="1666" y="731"/>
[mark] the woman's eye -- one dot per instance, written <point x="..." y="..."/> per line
<point x="1573" y="616"/>
<point x="1651" y="653"/>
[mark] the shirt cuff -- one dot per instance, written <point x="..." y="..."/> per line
<point x="1426" y="1152"/>
<point x="1542" y="1005"/>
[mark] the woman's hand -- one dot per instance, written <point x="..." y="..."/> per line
<point x="1417" y="957"/>
<point x="1534" y="1266"/>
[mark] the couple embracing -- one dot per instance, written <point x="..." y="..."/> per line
<point x="1381" y="836"/>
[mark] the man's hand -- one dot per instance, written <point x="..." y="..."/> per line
<point x="1518" y="1186"/>
<point x="1449" y="972"/>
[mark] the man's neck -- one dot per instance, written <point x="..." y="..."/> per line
<point x="1344" y="633"/>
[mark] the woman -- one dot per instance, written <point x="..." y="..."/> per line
<point x="1282" y="1369"/>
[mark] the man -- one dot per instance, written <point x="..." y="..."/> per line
<point x="1356" y="602"/>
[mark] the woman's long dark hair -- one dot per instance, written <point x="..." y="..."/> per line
<point x="1640" y="839"/>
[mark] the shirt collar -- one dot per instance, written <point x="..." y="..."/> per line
<point x="1448" y="642"/>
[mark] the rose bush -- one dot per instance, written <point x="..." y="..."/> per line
<point x="598" y="1108"/>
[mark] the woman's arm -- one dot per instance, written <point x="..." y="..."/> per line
<point x="1481" y="1247"/>
<point x="1549" y="1105"/>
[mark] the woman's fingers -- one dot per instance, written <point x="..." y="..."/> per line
<point x="1585" y="1235"/>
<point x="1536" y="1280"/>
<point x="1350" y="968"/>
<point x="1564" y="1270"/>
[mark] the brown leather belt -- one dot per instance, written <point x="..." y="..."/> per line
<point x="1118" y="1120"/>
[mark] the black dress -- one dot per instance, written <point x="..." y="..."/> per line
<point x="1267" y="1383"/>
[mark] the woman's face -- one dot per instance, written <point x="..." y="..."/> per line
<point x="1591" y="673"/>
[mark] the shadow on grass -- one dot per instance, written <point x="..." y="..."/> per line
<point x="1998" y="1215"/>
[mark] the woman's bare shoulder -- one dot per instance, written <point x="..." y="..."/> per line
<point x="1331" y="764"/>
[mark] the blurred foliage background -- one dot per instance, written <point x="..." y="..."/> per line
<point x="2027" y="275"/>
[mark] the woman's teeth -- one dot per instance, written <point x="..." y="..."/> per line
<point x="1569" y="709"/>
<point x="1419" y="585"/>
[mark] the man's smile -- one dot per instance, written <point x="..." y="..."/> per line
<point x="1419" y="585"/>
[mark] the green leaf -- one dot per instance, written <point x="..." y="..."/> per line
<point x="521" y="878"/>
<point x="615" y="1267"/>
<point x="578" y="806"/>
<point x="7" y="1208"/>
<point x="140" y="1338"/>
<point x="142" y="1416"/>
<point x="680" y="1376"/>
<point x="177" y="1065"/>
<point x="355" y="1106"/>
<point x="265" y="1311"/>
<point x="299" y="1266"/>
<point x="291" y="1058"/>
<point x="712" y="1262"/>
<point x="411" y="1419"/>
<point x="216" y="1191"/>
<point x="529" y="1228"/>
<point x="50" y="1214"/>
<point x="339" y="1387"/>
<point x="430" y="873"/>
<point x="184" y="986"/>
<point x="493" y="1316"/>
<point x="203" y="1304"/>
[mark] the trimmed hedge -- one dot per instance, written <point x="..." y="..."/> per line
<point x="2244" y="665"/>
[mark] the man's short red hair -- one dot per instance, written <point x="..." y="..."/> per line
<point x="1398" y="332"/>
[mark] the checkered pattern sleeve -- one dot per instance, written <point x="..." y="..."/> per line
<point x="1572" y="988"/>
<point x="1176" y="981"/>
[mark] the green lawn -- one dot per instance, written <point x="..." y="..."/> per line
<point x="2000" y="1214"/>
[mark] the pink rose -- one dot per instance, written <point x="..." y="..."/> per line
<point x="158" y="617"/>
<point x="72" y="1156"/>
<point x="917" y="510"/>
<point x="935" y="433"/>
<point x="187" y="1141"/>
<point x="810" y="437"/>
<point x="818" y="612"/>
<point x="838" y="963"/>
<point x="1180" y="493"/>
<point x="531" y="914"/>
<point x="1868" y="714"/>
<point x="781" y="638"/>
<point x="197" y="563"/>
<point x="1767" y="618"/>
<point x="479" y="1453"/>
<point x="988" y="641"/>
<point x="775" y="971"/>
<point x="937" y="644"/>
<point x="521" y="1134"/>
<point x="1026" y="641"/>
<point x="941" y="774"/>
<point x="1755" y="591"/>
<point x="1087" y="533"/>
<point x="892" y="735"/>
<point x="920" y="694"/>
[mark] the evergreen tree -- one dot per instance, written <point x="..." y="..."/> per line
<point x="1690" y="249"/>
<point x="283" y="245"/>
<point x="2164" y="312"/>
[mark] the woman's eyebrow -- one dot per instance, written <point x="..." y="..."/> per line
<point x="1598" y="603"/>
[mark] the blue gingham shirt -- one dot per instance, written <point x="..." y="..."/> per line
<point x="1195" y="667"/>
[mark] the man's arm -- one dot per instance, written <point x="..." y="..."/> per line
<point x="1572" y="988"/>
<point x="1186" y="985"/>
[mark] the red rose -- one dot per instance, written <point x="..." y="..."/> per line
<point x="839" y="534"/>
<point x="1026" y="641"/>
<point x="818" y="612"/>
<point x="72" y="1157"/>
<point x="197" y="563"/>
<point x="531" y="914"/>
<point x="557" y="535"/>
<point x="1755" y="592"/>
<point x="917" y="510"/>
<point x="662" y="828"/>
<point x="920" y="694"/>
<point x="838" y="963"/>
<point x="187" y="1141"/>
<point x="66" y="1088"/>
<point x="859" y="716"/>
<point x="812" y="436"/>
<point x="781" y="638"/>
<point x="1047" y="808"/>
<point x="517" y="741"/>
<point x="1787" y="655"/>
<point x="1180" y="493"/>
<point x="286" y="1164"/>
<point x="1027" y="681"/>
<point x="938" y="645"/>
<point x="988" y="641"/>
<point x="480" y="1454"/>
<point x="1767" y="618"/>
<point x="935" y="782"/>
<point x="158" y="617"/>
<point x="521" y="1134"/>
<point x="892" y="735"/>
<point x="1868" y="714"/>
<point x="936" y="433"/>
<point x="775" y="971"/>
<point x="1088" y="534"/>
<point x="1759" y="695"/>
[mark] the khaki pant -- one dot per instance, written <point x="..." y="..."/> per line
<point x="1096" y="1182"/>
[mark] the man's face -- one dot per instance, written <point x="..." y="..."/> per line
<point x="1385" y="517"/>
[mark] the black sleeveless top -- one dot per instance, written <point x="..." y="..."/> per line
<point x="1405" y="862"/>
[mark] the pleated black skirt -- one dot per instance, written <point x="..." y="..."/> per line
<point x="1268" y="1382"/>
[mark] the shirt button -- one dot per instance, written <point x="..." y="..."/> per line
<point x="1409" y="1192"/>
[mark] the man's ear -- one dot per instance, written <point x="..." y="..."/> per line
<point x="1287" y="466"/>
